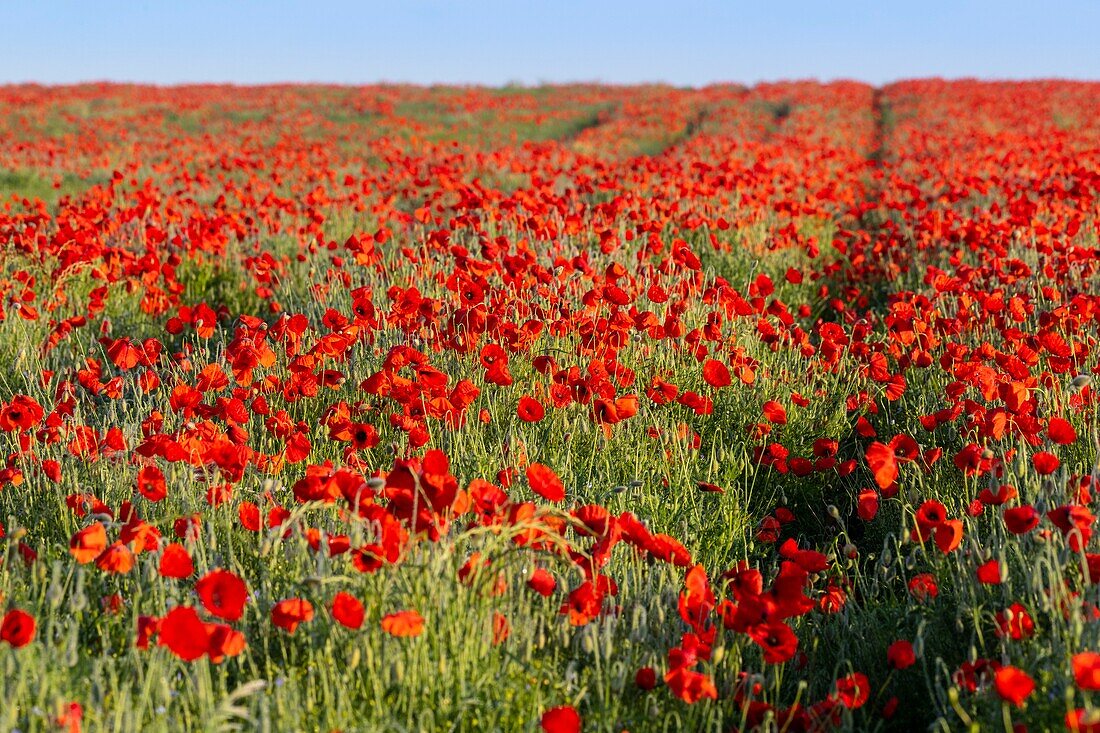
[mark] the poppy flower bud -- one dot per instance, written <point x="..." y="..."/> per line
<point x="1081" y="381"/>
<point x="646" y="678"/>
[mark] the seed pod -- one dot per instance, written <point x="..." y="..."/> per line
<point x="570" y="676"/>
<point x="56" y="592"/>
<point x="78" y="599"/>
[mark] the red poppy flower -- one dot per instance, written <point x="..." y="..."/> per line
<point x="147" y="627"/>
<point x="542" y="582"/>
<point x="501" y="628"/>
<point x="853" y="690"/>
<point x="347" y="610"/>
<point x="1060" y="431"/>
<point x="545" y="482"/>
<point x="690" y="686"/>
<point x="774" y="413"/>
<point x="1075" y="522"/>
<point x="530" y="409"/>
<point x="175" y="562"/>
<point x="777" y="641"/>
<point x="116" y="559"/>
<point x="1083" y="721"/>
<point x="716" y="374"/>
<point x="363" y="436"/>
<point x="989" y="573"/>
<point x="900" y="654"/>
<point x="289" y="613"/>
<point x="1021" y="519"/>
<point x="224" y="642"/>
<point x="70" y="717"/>
<point x="89" y="543"/>
<point x="867" y="504"/>
<point x="223" y="594"/>
<point x="562" y="719"/>
<point x="1086" y="670"/>
<point x="403" y="623"/>
<point x="923" y="587"/>
<point x="931" y="514"/>
<point x="1013" y="684"/>
<point x="883" y="463"/>
<point x="17" y="628"/>
<point x="1003" y="495"/>
<point x="151" y="484"/>
<point x="948" y="535"/>
<point x="184" y="633"/>
<point x="249" y="514"/>
<point x="1014" y="622"/>
<point x="22" y="413"/>
<point x="1045" y="463"/>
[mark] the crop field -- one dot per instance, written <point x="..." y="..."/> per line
<point x="567" y="408"/>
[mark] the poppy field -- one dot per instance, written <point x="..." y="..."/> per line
<point x="565" y="408"/>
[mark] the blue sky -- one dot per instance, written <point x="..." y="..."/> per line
<point x="683" y="42"/>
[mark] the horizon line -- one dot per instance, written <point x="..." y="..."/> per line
<point x="541" y="84"/>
